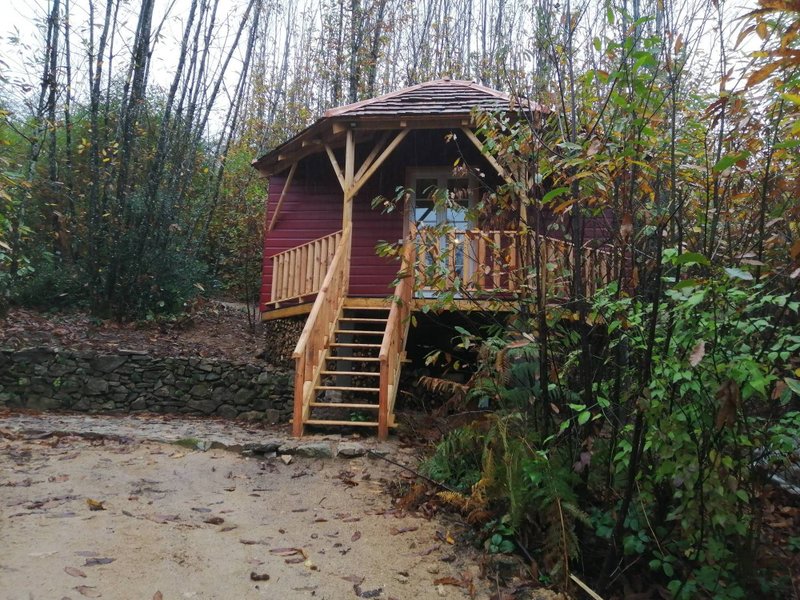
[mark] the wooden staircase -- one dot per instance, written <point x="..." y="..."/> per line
<point x="348" y="393"/>
<point x="349" y="356"/>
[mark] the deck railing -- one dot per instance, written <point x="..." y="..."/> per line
<point x="494" y="261"/>
<point x="309" y="354"/>
<point x="392" y="352"/>
<point x="300" y="271"/>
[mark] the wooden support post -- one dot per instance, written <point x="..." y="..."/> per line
<point x="297" y="413"/>
<point x="336" y="168"/>
<point x="383" y="401"/>
<point x="357" y="184"/>
<point x="349" y="171"/>
<point x="368" y="162"/>
<point x="282" y="196"/>
<point x="490" y="159"/>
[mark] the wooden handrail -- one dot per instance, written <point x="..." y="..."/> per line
<point x="300" y="271"/>
<point x="309" y="354"/>
<point x="394" y="339"/>
<point x="479" y="260"/>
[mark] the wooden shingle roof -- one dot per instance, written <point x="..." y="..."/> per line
<point x="438" y="97"/>
<point x="441" y="103"/>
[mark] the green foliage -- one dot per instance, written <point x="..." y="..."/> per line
<point x="499" y="536"/>
<point x="717" y="398"/>
<point x="457" y="459"/>
<point x="50" y="284"/>
<point x="155" y="275"/>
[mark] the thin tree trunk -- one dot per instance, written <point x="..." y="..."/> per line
<point x="41" y="128"/>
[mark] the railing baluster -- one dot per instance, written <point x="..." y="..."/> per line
<point x="513" y="249"/>
<point x="496" y="250"/>
<point x="308" y="285"/>
<point x="276" y="269"/>
<point x="317" y="262"/>
<point x="481" y="266"/>
<point x="287" y="274"/>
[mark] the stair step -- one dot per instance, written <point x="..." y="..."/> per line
<point x="343" y="423"/>
<point x="352" y="345"/>
<point x="363" y="320"/>
<point x="353" y="307"/>
<point x="346" y="388"/>
<point x="360" y="331"/>
<point x="355" y="358"/>
<point x="367" y="373"/>
<point x="344" y="405"/>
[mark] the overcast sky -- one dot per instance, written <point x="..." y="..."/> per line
<point x="21" y="38"/>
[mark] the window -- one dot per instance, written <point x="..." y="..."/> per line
<point x="441" y="202"/>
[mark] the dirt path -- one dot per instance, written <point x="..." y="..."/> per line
<point x="191" y="524"/>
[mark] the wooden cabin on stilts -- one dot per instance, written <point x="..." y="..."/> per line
<point x="321" y="235"/>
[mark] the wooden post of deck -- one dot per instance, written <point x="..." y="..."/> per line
<point x="349" y="170"/>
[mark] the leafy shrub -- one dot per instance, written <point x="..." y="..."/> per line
<point x="50" y="283"/>
<point x="718" y="415"/>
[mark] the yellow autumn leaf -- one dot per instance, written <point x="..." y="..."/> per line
<point x="95" y="504"/>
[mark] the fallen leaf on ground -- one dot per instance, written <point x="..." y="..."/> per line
<point x="445" y="537"/>
<point x="74" y="572"/>
<point x="399" y="530"/>
<point x="163" y="518"/>
<point x="95" y="504"/>
<point x="356" y="536"/>
<point x="93" y="562"/>
<point x="214" y="520"/>
<point x="294" y="561"/>
<point x="158" y="596"/>
<point x="448" y="581"/>
<point x="430" y="550"/>
<point x="259" y="576"/>
<point x="89" y="592"/>
<point x="354" y="579"/>
<point x="288" y="552"/>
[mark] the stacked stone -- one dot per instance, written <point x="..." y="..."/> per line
<point x="131" y="381"/>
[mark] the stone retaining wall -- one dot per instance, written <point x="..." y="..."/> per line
<point x="47" y="379"/>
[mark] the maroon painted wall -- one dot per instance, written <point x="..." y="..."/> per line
<point x="309" y="211"/>
<point x="370" y="274"/>
<point x="312" y="208"/>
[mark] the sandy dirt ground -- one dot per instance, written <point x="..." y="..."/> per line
<point x="133" y="519"/>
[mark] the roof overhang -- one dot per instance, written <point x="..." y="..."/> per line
<point x="332" y="131"/>
<point x="439" y="104"/>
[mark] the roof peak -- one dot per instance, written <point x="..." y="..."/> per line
<point x="487" y="92"/>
